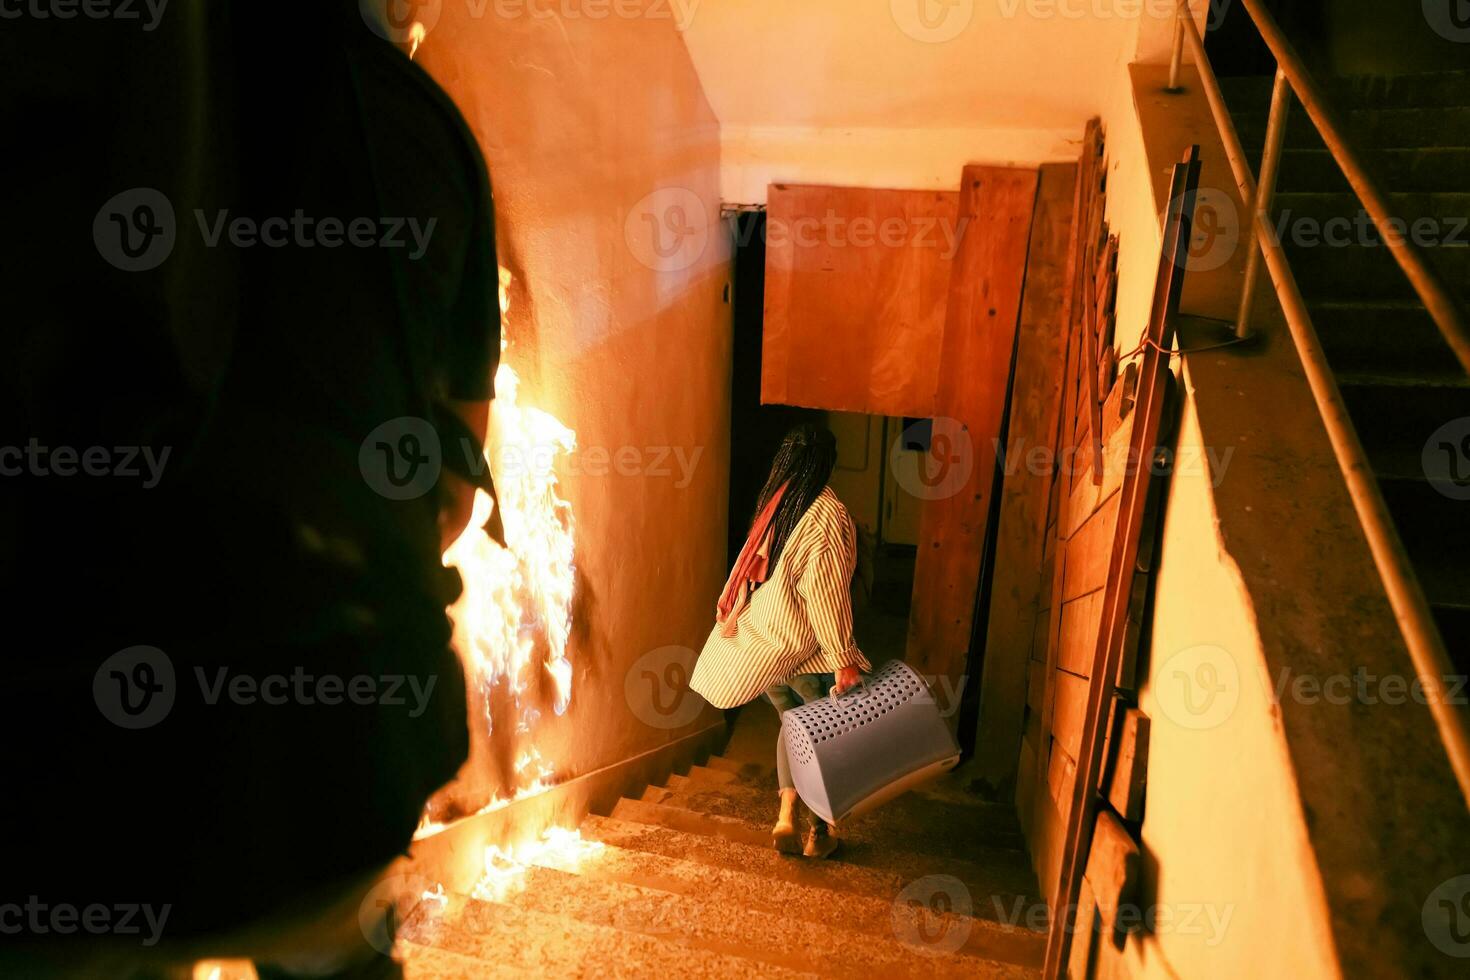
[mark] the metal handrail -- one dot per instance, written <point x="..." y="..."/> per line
<point x="1405" y="595"/>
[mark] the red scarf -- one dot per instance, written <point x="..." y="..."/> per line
<point x="752" y="567"/>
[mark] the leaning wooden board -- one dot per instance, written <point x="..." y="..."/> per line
<point x="1152" y="391"/>
<point x="1041" y="349"/>
<point x="857" y="284"/>
<point x="996" y="206"/>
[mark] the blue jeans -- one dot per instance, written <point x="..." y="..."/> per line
<point x="798" y="690"/>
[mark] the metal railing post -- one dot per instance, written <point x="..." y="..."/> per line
<point x="1405" y="595"/>
<point x="1176" y="56"/>
<point x="1260" y="208"/>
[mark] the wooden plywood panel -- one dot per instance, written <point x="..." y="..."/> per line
<point x="1117" y="460"/>
<point x="1061" y="770"/>
<point x="1036" y="685"/>
<point x="857" y="282"/>
<point x="1020" y="565"/>
<point x="1081" y="619"/>
<point x="1069" y="711"/>
<point x="1088" y="552"/>
<point x="996" y="203"/>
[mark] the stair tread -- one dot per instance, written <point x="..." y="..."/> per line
<point x="751" y="885"/>
<point x="833" y="875"/>
<point x="751" y="932"/>
<point x="993" y="880"/>
<point x="1433" y="88"/>
<point x="506" y="941"/>
<point x="947" y="829"/>
<point x="1426" y="170"/>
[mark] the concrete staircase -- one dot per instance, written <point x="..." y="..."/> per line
<point x="1400" y="381"/>
<point x="686" y="884"/>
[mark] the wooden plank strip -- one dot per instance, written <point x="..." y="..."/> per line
<point x="1080" y="621"/>
<point x="1070" y="711"/>
<point x="1020" y="566"/>
<point x="1060" y="773"/>
<point x="1089" y="551"/>
<point x="1128" y="770"/>
<point x="1113" y="866"/>
<point x="1146" y="430"/>
<point x="1035" y="685"/>
<point x="983" y="315"/>
<point x="1083" y="963"/>
<point x="1051" y="828"/>
<point x="1117" y="434"/>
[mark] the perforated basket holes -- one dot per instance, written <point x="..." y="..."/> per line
<point x="890" y="689"/>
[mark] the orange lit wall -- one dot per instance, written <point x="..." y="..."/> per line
<point x="604" y="157"/>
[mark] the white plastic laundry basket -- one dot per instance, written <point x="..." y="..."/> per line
<point x="852" y="752"/>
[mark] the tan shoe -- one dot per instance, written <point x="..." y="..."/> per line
<point x="821" y="840"/>
<point x="784" y="837"/>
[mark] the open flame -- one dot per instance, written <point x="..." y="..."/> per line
<point x="514" y="618"/>
<point x="505" y="869"/>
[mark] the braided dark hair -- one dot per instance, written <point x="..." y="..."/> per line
<point x="805" y="462"/>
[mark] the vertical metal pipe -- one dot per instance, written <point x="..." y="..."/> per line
<point x="1260" y="207"/>
<point x="1176" y="57"/>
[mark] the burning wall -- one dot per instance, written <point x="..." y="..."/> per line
<point x="610" y="434"/>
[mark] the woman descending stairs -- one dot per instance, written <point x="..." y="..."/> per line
<point x="684" y="882"/>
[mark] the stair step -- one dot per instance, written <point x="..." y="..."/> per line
<point x="504" y="941"/>
<point x="631" y="833"/>
<point x="1396" y="421"/>
<point x="1434" y="529"/>
<point x="711" y="777"/>
<point x="750" y="771"/>
<point x="1369" y="274"/>
<point x="1424" y="90"/>
<point x="999" y="882"/>
<point x="748" y="932"/>
<point x="1368" y="128"/>
<point x="1424" y="170"/>
<point x="432" y="963"/>
<point x="1391" y="337"/>
<point x="753" y="884"/>
<point x="1323" y="205"/>
<point x="944" y="828"/>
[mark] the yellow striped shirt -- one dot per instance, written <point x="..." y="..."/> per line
<point x="798" y="622"/>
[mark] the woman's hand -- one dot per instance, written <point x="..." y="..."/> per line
<point x="846" y="678"/>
